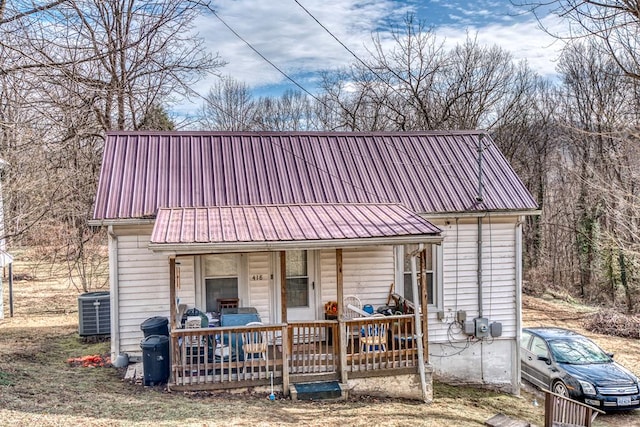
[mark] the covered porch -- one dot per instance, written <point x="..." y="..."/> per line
<point x="297" y="352"/>
<point x="356" y="348"/>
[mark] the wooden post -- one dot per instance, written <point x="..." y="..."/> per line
<point x="283" y="285"/>
<point x="342" y="329"/>
<point x="285" y="360"/>
<point x="172" y="293"/>
<point x="10" y="289"/>
<point x="172" y="310"/>
<point x="339" y="284"/>
<point x="423" y="304"/>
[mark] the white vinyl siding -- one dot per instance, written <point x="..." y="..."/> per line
<point x="327" y="276"/>
<point x="367" y="273"/>
<point x="259" y="277"/>
<point x="186" y="289"/>
<point x="460" y="273"/>
<point x="143" y="290"/>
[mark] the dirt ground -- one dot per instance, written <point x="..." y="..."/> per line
<point x="39" y="387"/>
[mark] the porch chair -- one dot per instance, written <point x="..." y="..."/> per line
<point x="351" y="307"/>
<point x="254" y="342"/>
<point x="227" y="303"/>
<point x="195" y="344"/>
<point x="374" y="336"/>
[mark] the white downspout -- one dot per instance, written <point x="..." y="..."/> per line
<point x="518" y="284"/>
<point x="113" y="292"/>
<point x="416" y="312"/>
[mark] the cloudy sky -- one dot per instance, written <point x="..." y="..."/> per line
<point x="284" y="33"/>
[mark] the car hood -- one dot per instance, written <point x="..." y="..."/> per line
<point x="601" y="373"/>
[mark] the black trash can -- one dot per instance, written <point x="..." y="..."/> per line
<point x="155" y="326"/>
<point x="155" y="359"/>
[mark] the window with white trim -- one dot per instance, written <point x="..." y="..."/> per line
<point x="221" y="278"/>
<point x="297" y="279"/>
<point x="404" y="287"/>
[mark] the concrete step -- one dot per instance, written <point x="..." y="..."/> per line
<point x="317" y="391"/>
<point x="501" y="420"/>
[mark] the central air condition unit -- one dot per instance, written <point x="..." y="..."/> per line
<point x="94" y="313"/>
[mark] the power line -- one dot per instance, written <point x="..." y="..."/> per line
<point x="266" y="59"/>
<point x="356" y="56"/>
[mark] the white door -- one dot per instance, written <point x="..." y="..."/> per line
<point x="301" y="285"/>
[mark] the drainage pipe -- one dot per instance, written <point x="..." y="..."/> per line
<point x="113" y="292"/>
<point x="479" y="272"/>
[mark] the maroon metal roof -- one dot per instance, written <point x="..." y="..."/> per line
<point x="428" y="172"/>
<point x="282" y="223"/>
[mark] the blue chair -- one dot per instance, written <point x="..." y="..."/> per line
<point x="373" y="338"/>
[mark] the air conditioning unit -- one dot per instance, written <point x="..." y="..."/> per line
<point x="94" y="311"/>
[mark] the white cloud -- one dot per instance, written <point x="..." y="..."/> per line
<point x="286" y="35"/>
<point x="524" y="39"/>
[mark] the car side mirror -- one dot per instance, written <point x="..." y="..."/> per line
<point x="545" y="359"/>
<point x="610" y="355"/>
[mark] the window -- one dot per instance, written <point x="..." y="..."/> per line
<point x="297" y="279"/>
<point x="221" y="278"/>
<point x="406" y="274"/>
<point x="539" y="348"/>
<point x="524" y="340"/>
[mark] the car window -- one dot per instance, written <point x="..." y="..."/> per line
<point x="539" y="348"/>
<point x="578" y="351"/>
<point x="524" y="339"/>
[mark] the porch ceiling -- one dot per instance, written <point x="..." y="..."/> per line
<point x="273" y="227"/>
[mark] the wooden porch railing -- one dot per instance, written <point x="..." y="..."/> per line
<point x="224" y="357"/>
<point x="560" y="411"/>
<point x="313" y="347"/>
<point x="381" y="343"/>
<point x="243" y="356"/>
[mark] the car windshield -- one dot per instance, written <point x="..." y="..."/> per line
<point x="577" y="351"/>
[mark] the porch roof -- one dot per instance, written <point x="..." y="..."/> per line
<point x="277" y="227"/>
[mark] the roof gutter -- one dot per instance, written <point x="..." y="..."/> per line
<point x="199" y="248"/>
<point x="457" y="214"/>
<point x="116" y="222"/>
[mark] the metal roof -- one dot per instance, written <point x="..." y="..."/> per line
<point x="428" y="172"/>
<point x="287" y="223"/>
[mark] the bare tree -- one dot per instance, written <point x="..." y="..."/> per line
<point x="80" y="68"/>
<point x="614" y="23"/>
<point x="598" y="114"/>
<point x="292" y="111"/>
<point x="229" y="106"/>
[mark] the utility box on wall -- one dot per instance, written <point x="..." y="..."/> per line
<point x="482" y="327"/>
<point x="496" y="329"/>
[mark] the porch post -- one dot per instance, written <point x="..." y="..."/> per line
<point x="172" y="293"/>
<point x="339" y="284"/>
<point x="418" y="320"/>
<point x="172" y="312"/>
<point x="342" y="335"/>
<point x="283" y="285"/>
<point x="423" y="304"/>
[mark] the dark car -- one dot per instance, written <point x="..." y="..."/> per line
<point x="572" y="365"/>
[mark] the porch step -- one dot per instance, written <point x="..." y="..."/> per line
<point x="501" y="420"/>
<point x="317" y="391"/>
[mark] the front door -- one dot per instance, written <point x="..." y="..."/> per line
<point x="301" y="292"/>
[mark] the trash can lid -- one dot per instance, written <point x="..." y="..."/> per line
<point x="153" y="322"/>
<point x="153" y="341"/>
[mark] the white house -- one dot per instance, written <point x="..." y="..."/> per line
<point x="288" y="222"/>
